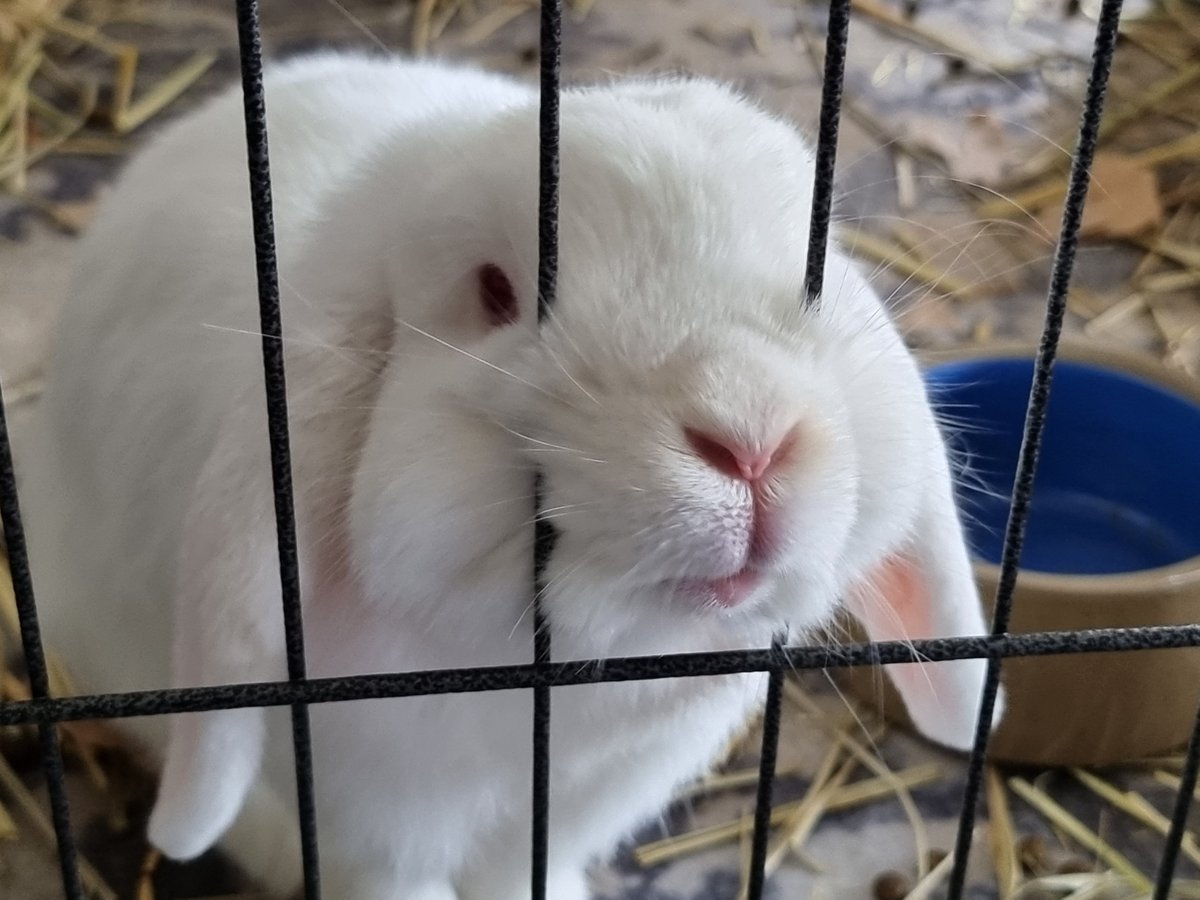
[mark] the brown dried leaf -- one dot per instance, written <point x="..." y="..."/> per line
<point x="1123" y="200"/>
<point x="975" y="150"/>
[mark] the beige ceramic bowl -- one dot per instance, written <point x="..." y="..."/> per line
<point x="1095" y="708"/>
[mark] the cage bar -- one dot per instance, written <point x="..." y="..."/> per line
<point x="475" y="679"/>
<point x="772" y="721"/>
<point x="543" y="541"/>
<point x="35" y="664"/>
<point x="836" y="45"/>
<point x="837" y="41"/>
<point x="1035" y="416"/>
<point x="837" y="38"/>
<point x="250" y="56"/>
<point x="1183" y="807"/>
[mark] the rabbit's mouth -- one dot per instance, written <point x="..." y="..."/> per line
<point x="727" y="592"/>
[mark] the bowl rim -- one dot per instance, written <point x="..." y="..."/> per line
<point x="1177" y="576"/>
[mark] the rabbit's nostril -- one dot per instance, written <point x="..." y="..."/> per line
<point x="734" y="458"/>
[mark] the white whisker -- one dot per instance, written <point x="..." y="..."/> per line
<point x="491" y="365"/>
<point x="360" y="25"/>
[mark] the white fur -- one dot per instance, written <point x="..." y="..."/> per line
<point x="415" y="427"/>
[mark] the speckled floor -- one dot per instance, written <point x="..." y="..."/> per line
<point x="758" y="43"/>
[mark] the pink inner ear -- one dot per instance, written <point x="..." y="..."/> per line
<point x="895" y="605"/>
<point x="898" y="586"/>
<point x="496" y="295"/>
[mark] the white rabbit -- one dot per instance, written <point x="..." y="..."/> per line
<point x="719" y="459"/>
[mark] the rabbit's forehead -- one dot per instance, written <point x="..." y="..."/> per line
<point x="662" y="285"/>
<point x="699" y="224"/>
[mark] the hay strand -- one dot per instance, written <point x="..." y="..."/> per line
<point x="1077" y="831"/>
<point x="799" y="823"/>
<point x="1002" y="836"/>
<point x="804" y="820"/>
<point x="906" y="262"/>
<point x="38" y="43"/>
<point x="1055" y="188"/>
<point x="1174" y="782"/>
<point x="876" y="766"/>
<point x="924" y="888"/>
<point x="132" y="114"/>
<point x="145" y="881"/>
<point x="850" y="796"/>
<point x="8" y="827"/>
<point x="495" y="19"/>
<point x="1138" y="807"/>
<point x="11" y="784"/>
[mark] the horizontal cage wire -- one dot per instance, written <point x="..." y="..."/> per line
<point x="565" y="673"/>
<point x="298" y="691"/>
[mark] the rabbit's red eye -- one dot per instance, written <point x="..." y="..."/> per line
<point x="496" y="295"/>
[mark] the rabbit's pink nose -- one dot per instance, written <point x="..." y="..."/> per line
<point x="734" y="459"/>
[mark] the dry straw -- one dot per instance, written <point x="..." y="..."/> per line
<point x="1149" y="131"/>
<point x="61" y="73"/>
<point x="1002" y="836"/>
<point x="1077" y="831"/>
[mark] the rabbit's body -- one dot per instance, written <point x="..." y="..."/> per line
<point x="416" y="416"/>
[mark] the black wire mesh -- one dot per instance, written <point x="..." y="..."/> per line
<point x="590" y="671"/>
<point x="543" y="539"/>
<point x="837" y="40"/>
<point x="250" y="50"/>
<point x="35" y="663"/>
<point x="1035" y="418"/>
<point x="1183" y="806"/>
<point x="772" y="723"/>
<point x="540" y="675"/>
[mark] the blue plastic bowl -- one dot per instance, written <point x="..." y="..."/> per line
<point x="1118" y="483"/>
<point x="1113" y="542"/>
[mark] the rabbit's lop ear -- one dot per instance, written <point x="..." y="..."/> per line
<point x="228" y="629"/>
<point x="925" y="590"/>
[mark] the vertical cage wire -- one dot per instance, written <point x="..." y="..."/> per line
<point x="543" y="541"/>
<point x="836" y="45"/>
<point x="1179" y="817"/>
<point x="1035" y="416"/>
<point x="837" y="41"/>
<point x="35" y="664"/>
<point x="772" y="722"/>
<point x="540" y="824"/>
<point x="250" y="54"/>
